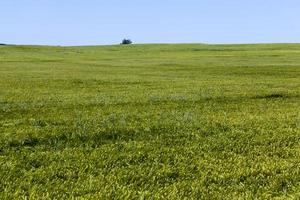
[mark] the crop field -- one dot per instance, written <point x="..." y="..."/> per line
<point x="182" y="121"/>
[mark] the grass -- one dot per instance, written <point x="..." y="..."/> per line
<point x="150" y="122"/>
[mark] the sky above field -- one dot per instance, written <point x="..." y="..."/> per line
<point x="92" y="22"/>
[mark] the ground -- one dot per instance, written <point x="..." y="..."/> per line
<point x="190" y="121"/>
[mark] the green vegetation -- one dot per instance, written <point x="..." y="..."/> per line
<point x="150" y="121"/>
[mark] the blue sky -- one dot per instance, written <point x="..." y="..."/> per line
<point x="92" y="22"/>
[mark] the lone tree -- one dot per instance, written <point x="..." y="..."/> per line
<point x="126" y="41"/>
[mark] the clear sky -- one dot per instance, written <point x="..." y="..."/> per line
<point x="92" y="22"/>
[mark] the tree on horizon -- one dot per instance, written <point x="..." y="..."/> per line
<point x="126" y="41"/>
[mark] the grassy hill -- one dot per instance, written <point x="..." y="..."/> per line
<point x="150" y="121"/>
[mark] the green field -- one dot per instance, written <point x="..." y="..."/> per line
<point x="179" y="121"/>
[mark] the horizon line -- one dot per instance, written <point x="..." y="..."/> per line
<point x="167" y="43"/>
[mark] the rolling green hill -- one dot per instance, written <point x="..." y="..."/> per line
<point x="150" y="122"/>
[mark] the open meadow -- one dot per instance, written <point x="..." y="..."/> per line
<point x="178" y="121"/>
